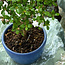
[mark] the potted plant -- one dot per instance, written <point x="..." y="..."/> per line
<point x="22" y="41"/>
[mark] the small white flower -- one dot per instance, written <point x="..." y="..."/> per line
<point x="38" y="14"/>
<point x="36" y="10"/>
<point x="28" y="0"/>
<point x="35" y="23"/>
<point x="5" y="3"/>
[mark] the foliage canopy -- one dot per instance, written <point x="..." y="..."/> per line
<point x="20" y="12"/>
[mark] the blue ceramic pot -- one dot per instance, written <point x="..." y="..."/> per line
<point x="24" y="58"/>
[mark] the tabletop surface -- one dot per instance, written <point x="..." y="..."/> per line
<point x="53" y="54"/>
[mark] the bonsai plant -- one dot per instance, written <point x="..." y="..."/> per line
<point x="21" y="40"/>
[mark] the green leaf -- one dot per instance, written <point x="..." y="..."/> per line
<point x="13" y="30"/>
<point x="3" y="21"/>
<point x="47" y="22"/>
<point x="40" y="9"/>
<point x="12" y="8"/>
<point x="40" y="21"/>
<point x="8" y="0"/>
<point x="13" y="1"/>
<point x="22" y="34"/>
<point x="53" y="12"/>
<point x="17" y="31"/>
<point x="3" y="12"/>
<point x="55" y="4"/>
<point x="26" y="28"/>
<point x="22" y="16"/>
<point x="24" y="0"/>
<point x="32" y="9"/>
<point x="18" y="11"/>
<point x="47" y="13"/>
<point x="57" y="14"/>
<point x="27" y="8"/>
<point x="47" y="27"/>
<point x="11" y="21"/>
<point x="6" y="17"/>
<point x="29" y="25"/>
<point x="18" y="0"/>
<point x="15" y="25"/>
<point x="22" y="26"/>
<point x="44" y="3"/>
<point x="39" y="28"/>
<point x="0" y="7"/>
<point x="34" y="19"/>
<point x="53" y="18"/>
<point x="27" y="13"/>
<point x="1" y="4"/>
<point x="38" y="0"/>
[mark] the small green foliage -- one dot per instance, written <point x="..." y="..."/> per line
<point x="53" y="18"/>
<point x="17" y="31"/>
<point x="47" y="22"/>
<point x="27" y="13"/>
<point x="3" y="12"/>
<point x="47" y="14"/>
<point x="11" y="8"/>
<point x="38" y="0"/>
<point x="13" y="30"/>
<point x="11" y="21"/>
<point x="29" y="25"/>
<point x="22" y="34"/>
<point x="32" y="9"/>
<point x="26" y="28"/>
<point x="53" y="12"/>
<point x="40" y="9"/>
<point x="1" y="4"/>
<point x="54" y="4"/>
<point x="22" y="26"/>
<point x="39" y="28"/>
<point x="6" y="17"/>
<point x="20" y="11"/>
<point x="47" y="27"/>
<point x="56" y="14"/>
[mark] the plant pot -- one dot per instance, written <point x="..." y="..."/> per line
<point x="24" y="58"/>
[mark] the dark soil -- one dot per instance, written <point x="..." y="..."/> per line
<point x="17" y="43"/>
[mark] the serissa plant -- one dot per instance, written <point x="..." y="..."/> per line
<point x="22" y="12"/>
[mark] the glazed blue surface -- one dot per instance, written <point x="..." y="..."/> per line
<point x="24" y="58"/>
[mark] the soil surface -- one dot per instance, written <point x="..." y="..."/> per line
<point x="17" y="43"/>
